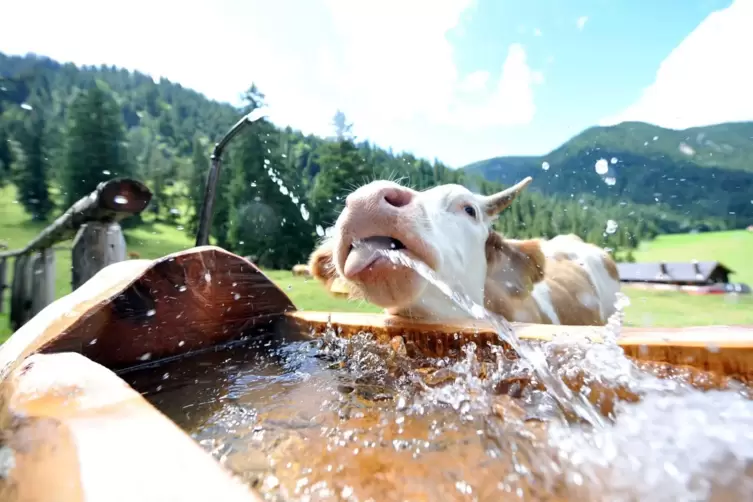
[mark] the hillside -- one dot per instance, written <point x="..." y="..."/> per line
<point x="696" y="173"/>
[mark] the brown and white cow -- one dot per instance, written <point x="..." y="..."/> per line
<point x="559" y="281"/>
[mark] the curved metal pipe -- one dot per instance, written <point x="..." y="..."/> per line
<point x="207" y="207"/>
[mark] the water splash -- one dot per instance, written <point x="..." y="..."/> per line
<point x="568" y="400"/>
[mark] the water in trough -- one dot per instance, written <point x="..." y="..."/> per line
<point x="331" y="418"/>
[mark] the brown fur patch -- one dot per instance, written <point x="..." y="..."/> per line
<point x="322" y="265"/>
<point x="514" y="265"/>
<point x="611" y="267"/>
<point x="569" y="285"/>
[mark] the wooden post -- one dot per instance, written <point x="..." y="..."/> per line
<point x="21" y="291"/>
<point x="43" y="280"/>
<point x="3" y="285"/>
<point x="96" y="245"/>
<point x="17" y="293"/>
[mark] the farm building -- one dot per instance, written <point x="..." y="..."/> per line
<point x="693" y="273"/>
<point x="703" y="277"/>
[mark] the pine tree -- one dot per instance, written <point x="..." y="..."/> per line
<point x="95" y="149"/>
<point x="32" y="180"/>
<point x="197" y="183"/>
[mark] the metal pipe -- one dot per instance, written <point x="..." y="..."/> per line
<point x="207" y="207"/>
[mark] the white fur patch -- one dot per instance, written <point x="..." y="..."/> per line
<point x="543" y="299"/>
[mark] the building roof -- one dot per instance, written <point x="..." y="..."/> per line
<point x="690" y="272"/>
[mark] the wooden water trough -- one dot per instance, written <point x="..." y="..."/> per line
<point x="72" y="430"/>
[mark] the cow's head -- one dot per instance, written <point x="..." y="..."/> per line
<point x="447" y="227"/>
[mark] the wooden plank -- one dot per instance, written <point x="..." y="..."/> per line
<point x="112" y="201"/>
<point x="96" y="246"/>
<point x="100" y="442"/>
<point x="43" y="280"/>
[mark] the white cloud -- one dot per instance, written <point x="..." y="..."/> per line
<point x="537" y="32"/>
<point x="581" y="22"/>
<point x="705" y="80"/>
<point x="388" y="65"/>
<point x="510" y="103"/>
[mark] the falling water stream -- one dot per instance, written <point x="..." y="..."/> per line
<point x="566" y="398"/>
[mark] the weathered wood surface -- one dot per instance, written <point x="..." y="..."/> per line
<point x="112" y="201"/>
<point x="142" y="310"/>
<point x="723" y="350"/>
<point x="74" y="432"/>
<point x="96" y="246"/>
<point x="42" y="267"/>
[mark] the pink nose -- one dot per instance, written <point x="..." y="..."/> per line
<point x="389" y="198"/>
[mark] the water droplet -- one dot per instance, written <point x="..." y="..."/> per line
<point x="119" y="199"/>
<point x="146" y="357"/>
<point x="545" y="166"/>
<point x="601" y="166"/>
<point x="610" y="180"/>
<point x="93" y="342"/>
<point x="237" y="296"/>
<point x="106" y="172"/>
<point x="165" y="376"/>
<point x="151" y="312"/>
<point x="613" y="160"/>
<point x="181" y="343"/>
<point x="182" y="289"/>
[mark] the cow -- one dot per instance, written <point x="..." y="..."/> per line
<point x="301" y="270"/>
<point x="559" y="281"/>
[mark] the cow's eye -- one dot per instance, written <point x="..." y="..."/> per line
<point x="470" y="211"/>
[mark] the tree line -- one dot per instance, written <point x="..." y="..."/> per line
<point x="64" y="129"/>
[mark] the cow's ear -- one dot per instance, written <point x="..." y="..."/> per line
<point x="514" y="265"/>
<point x="321" y="263"/>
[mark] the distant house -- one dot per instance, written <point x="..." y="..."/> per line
<point x="695" y="273"/>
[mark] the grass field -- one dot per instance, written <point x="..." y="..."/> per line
<point x="648" y="308"/>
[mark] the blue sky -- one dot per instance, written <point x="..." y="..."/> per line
<point x="458" y="80"/>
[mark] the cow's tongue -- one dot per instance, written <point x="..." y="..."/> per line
<point x="364" y="253"/>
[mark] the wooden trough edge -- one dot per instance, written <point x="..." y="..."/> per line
<point x="724" y="350"/>
<point x="62" y="411"/>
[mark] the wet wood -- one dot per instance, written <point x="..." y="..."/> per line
<point x="96" y="245"/>
<point x="142" y="310"/>
<point x="722" y="350"/>
<point x="112" y="201"/>
<point x="60" y="413"/>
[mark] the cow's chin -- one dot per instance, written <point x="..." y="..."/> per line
<point x="391" y="286"/>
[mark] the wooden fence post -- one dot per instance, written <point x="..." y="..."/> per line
<point x="3" y="285"/>
<point x="96" y="245"/>
<point x="43" y="280"/>
<point x="16" y="292"/>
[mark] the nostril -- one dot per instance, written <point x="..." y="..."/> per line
<point x="398" y="198"/>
